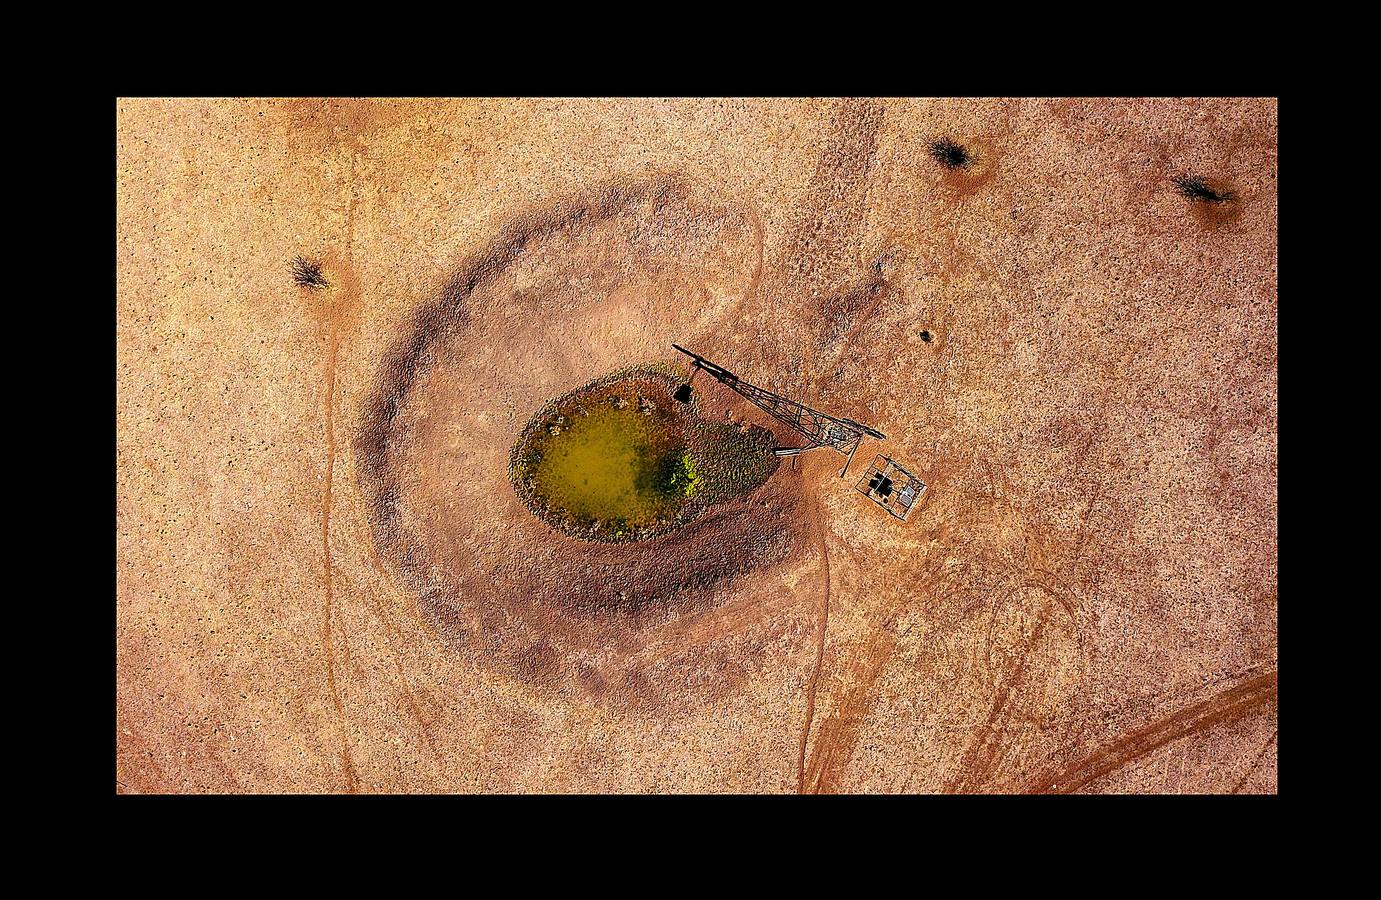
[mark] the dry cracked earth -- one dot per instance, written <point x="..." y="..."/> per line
<point x="1062" y="313"/>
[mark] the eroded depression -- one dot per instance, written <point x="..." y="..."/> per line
<point x="538" y="488"/>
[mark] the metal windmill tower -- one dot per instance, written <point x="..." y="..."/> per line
<point x="819" y="429"/>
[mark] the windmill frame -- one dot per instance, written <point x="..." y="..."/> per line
<point x="819" y="429"/>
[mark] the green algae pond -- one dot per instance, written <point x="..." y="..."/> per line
<point x="621" y="460"/>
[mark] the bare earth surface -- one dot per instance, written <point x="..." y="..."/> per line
<point x="326" y="582"/>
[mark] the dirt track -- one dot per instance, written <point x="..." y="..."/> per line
<point x="326" y="582"/>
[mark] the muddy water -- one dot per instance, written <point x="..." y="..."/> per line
<point x="620" y="460"/>
<point x="614" y="464"/>
<point x="608" y="462"/>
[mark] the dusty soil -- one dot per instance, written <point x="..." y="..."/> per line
<point x="325" y="581"/>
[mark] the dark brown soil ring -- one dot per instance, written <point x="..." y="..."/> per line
<point x="557" y="612"/>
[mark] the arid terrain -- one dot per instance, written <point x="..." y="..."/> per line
<point x="1062" y="314"/>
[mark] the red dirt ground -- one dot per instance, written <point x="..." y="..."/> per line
<point x="326" y="582"/>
